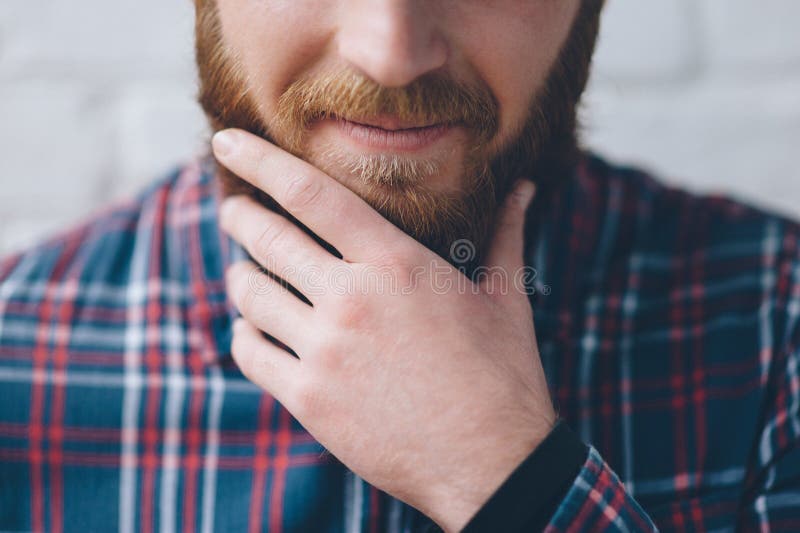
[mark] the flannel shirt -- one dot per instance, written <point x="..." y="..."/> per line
<point x="668" y="325"/>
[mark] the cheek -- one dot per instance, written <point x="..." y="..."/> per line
<point x="513" y="47"/>
<point x="275" y="41"/>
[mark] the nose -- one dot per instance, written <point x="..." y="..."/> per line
<point x="391" y="41"/>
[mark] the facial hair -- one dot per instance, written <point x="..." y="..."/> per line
<point x="543" y="150"/>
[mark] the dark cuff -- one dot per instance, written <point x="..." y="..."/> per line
<point x="530" y="496"/>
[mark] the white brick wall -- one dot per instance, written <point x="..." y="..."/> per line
<point x="705" y="92"/>
<point x="96" y="99"/>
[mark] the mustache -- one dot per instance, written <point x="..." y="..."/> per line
<point x="433" y="98"/>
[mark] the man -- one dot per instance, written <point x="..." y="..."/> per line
<point x="368" y="212"/>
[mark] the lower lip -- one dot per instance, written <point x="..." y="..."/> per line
<point x="407" y="140"/>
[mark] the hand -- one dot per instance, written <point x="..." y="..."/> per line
<point x="432" y="394"/>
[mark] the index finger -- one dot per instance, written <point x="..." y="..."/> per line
<point x="328" y="208"/>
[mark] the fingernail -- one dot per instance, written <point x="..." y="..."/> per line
<point x="223" y="143"/>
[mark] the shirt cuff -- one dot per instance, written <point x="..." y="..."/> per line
<point x="530" y="496"/>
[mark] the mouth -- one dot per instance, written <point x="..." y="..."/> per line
<point x="389" y="133"/>
<point x="386" y="122"/>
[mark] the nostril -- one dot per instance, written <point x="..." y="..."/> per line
<point x="392" y="45"/>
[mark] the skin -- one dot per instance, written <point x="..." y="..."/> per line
<point x="378" y="400"/>
<point x="432" y="396"/>
<point x="509" y="45"/>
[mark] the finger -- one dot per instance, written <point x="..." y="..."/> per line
<point x="277" y="244"/>
<point x="507" y="244"/>
<point x="328" y="208"/>
<point x="263" y="362"/>
<point x="267" y="305"/>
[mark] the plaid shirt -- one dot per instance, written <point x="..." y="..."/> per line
<point x="668" y="324"/>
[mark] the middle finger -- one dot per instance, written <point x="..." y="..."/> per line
<point x="277" y="244"/>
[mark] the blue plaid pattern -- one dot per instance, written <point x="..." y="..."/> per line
<point x="669" y="329"/>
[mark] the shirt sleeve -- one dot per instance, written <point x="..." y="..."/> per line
<point x="598" y="501"/>
<point x="562" y="486"/>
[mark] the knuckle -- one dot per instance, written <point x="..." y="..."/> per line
<point x="352" y="312"/>
<point x="329" y="356"/>
<point x="301" y="191"/>
<point x="401" y="255"/>
<point x="248" y="296"/>
<point x="308" y="398"/>
<point x="389" y="258"/>
<point x="404" y="274"/>
<point x="258" y="282"/>
<point x="268" y="240"/>
<point x="325" y="346"/>
<point x="263" y="164"/>
<point x="331" y="362"/>
<point x="399" y="270"/>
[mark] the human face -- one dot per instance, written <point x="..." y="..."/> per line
<point x="425" y="109"/>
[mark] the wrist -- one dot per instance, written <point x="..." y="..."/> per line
<point x="452" y="501"/>
<point x="532" y="494"/>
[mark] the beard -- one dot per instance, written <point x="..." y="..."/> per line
<point x="454" y="224"/>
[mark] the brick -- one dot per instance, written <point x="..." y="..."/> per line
<point x="734" y="138"/>
<point x="647" y="40"/>
<point x="54" y="154"/>
<point x="743" y="35"/>
<point x="19" y="233"/>
<point x="96" y="38"/>
<point x="158" y="126"/>
<point x="96" y="100"/>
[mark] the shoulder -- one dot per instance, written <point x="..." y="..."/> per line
<point x="666" y="205"/>
<point x="668" y="221"/>
<point x="100" y="254"/>
<point x="720" y="257"/>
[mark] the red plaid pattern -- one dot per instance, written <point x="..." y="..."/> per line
<point x="669" y="329"/>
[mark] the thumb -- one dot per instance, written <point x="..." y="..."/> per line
<point x="507" y="244"/>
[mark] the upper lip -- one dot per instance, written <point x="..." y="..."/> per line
<point x="388" y="122"/>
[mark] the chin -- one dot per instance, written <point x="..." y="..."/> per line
<point x="388" y="171"/>
<point x="438" y="167"/>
